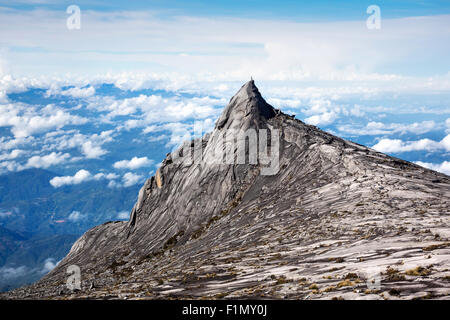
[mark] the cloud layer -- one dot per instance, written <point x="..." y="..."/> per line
<point x="134" y="163"/>
<point x="443" y="167"/>
<point x="397" y="145"/>
<point x="79" y="177"/>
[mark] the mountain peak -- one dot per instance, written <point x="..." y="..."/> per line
<point x="247" y="108"/>
<point x="196" y="221"/>
<point x="249" y="89"/>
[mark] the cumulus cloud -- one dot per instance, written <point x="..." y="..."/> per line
<point x="89" y="145"/>
<point x="92" y="151"/>
<point x="130" y="179"/>
<point x="397" y="145"/>
<point x="148" y="109"/>
<point x="323" y="119"/>
<point x="76" y="216"/>
<point x="380" y="128"/>
<point x="9" y="166"/>
<point x="443" y="167"/>
<point x="27" y="120"/>
<point x="134" y="163"/>
<point x="7" y="143"/>
<point x="123" y="215"/>
<point x="74" y="92"/>
<point x="12" y="155"/>
<point x="3" y="97"/>
<point x="79" y="177"/>
<point x="109" y="176"/>
<point x="47" y="160"/>
<point x="284" y="102"/>
<point x="49" y="265"/>
<point x="113" y="184"/>
<point x="445" y="143"/>
<point x="179" y="131"/>
<point x="325" y="111"/>
<point x="8" y="273"/>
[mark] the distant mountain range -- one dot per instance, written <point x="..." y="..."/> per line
<point x="25" y="258"/>
<point x="39" y="223"/>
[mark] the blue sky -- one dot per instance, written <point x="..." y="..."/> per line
<point x="298" y="10"/>
<point x="109" y="100"/>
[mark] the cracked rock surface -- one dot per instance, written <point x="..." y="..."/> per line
<point x="337" y="221"/>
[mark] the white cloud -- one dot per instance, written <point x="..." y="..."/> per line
<point x="318" y="105"/>
<point x="5" y="214"/>
<point x="417" y="128"/>
<point x="397" y="145"/>
<point x="92" y="151"/>
<point x="3" y="97"/>
<point x="108" y="176"/>
<point x="324" y="111"/>
<point x="446" y="142"/>
<point x="134" y="163"/>
<point x="443" y="167"/>
<point x="47" y="160"/>
<point x="89" y="145"/>
<point x="12" y="155"/>
<point x="379" y="128"/>
<point x="79" y="177"/>
<point x="287" y="49"/>
<point x="144" y="110"/>
<point x="9" y="166"/>
<point x="284" y="102"/>
<point x="49" y="265"/>
<point x="130" y="179"/>
<point x="179" y="132"/>
<point x="123" y="215"/>
<point x="8" y="84"/>
<point x="76" y="216"/>
<point x="26" y="120"/>
<point x="8" y="273"/>
<point x="11" y="143"/>
<point x="78" y="92"/>
<point x="323" y="119"/>
<point x="113" y="184"/>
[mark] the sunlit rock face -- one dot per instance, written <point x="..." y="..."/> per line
<point x="334" y="219"/>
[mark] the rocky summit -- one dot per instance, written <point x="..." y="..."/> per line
<point x="268" y="207"/>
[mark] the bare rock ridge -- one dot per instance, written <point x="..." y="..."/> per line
<point x="336" y="220"/>
<point x="246" y="109"/>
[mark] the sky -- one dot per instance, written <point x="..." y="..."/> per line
<point x="300" y="10"/>
<point x="109" y="99"/>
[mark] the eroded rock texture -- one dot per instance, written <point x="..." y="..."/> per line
<point x="338" y="220"/>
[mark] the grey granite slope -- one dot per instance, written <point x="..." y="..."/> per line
<point x="338" y="220"/>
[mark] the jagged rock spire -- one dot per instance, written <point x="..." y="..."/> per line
<point x="246" y="109"/>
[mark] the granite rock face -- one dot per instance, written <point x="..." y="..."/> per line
<point x="333" y="220"/>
